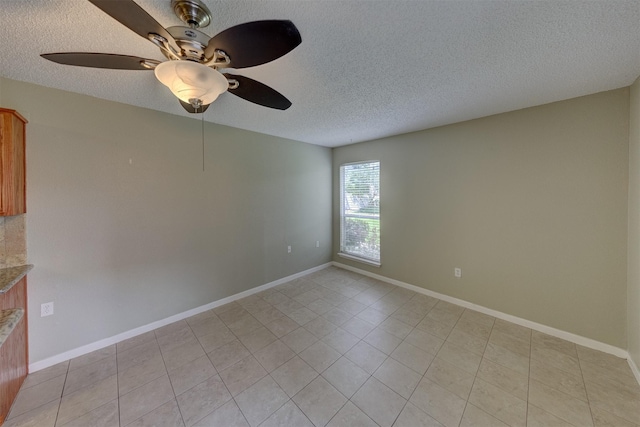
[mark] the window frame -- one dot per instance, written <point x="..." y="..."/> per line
<point x="343" y="215"/>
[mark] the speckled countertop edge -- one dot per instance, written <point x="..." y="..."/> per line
<point x="11" y="275"/>
<point x="8" y="321"/>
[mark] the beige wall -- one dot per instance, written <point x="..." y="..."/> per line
<point x="531" y="204"/>
<point x="633" y="290"/>
<point x="117" y="245"/>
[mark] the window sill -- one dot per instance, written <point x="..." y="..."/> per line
<point x="362" y="260"/>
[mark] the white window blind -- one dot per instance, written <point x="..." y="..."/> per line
<point x="360" y="210"/>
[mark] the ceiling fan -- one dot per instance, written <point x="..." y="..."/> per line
<point x="194" y="58"/>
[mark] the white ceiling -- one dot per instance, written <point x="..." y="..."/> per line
<point x="366" y="69"/>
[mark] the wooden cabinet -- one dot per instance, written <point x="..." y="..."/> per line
<point x="12" y="163"/>
<point x="14" y="352"/>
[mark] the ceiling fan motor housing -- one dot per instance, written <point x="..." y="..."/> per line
<point x="192" y="43"/>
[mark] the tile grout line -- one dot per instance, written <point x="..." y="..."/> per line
<point x="466" y="401"/>
<point x="320" y="375"/>
<point x="348" y="399"/>
<point x="289" y="399"/>
<point x="593" y="421"/>
<point x="168" y="377"/>
<point x="425" y="372"/>
<point x="62" y="393"/>
<point x="175" y="397"/>
<point x="217" y="373"/>
<point x="252" y="355"/>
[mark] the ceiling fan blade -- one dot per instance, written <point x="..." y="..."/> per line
<point x="132" y="16"/>
<point x="258" y="93"/>
<point x="255" y="43"/>
<point x="102" y="60"/>
<point x="190" y="108"/>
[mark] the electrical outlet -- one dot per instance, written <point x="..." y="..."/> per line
<point x="317" y="243"/>
<point x="457" y="272"/>
<point x="288" y="249"/>
<point x="46" y="309"/>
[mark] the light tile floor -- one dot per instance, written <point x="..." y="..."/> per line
<point x="338" y="349"/>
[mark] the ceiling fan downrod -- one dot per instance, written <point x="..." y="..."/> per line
<point x="194" y="13"/>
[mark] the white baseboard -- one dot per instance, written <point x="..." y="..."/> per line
<point x="85" y="349"/>
<point x="577" y="339"/>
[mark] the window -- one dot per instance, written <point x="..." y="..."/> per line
<point x="360" y="211"/>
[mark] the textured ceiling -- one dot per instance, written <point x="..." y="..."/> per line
<point x="366" y="69"/>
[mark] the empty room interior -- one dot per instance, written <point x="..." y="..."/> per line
<point x="416" y="213"/>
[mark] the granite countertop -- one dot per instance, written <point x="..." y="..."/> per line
<point x="8" y="320"/>
<point x="11" y="275"/>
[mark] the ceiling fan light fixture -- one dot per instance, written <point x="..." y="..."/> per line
<point x="191" y="81"/>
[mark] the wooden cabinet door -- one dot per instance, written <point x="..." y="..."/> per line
<point x="12" y="163"/>
<point x="14" y="353"/>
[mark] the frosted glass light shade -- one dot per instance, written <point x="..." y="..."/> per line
<point x="190" y="80"/>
